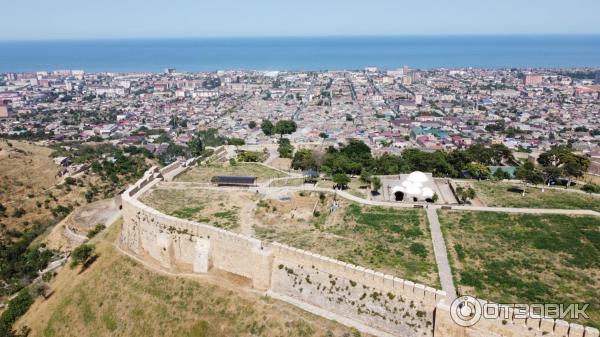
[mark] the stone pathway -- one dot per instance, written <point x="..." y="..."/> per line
<point x="441" y="253"/>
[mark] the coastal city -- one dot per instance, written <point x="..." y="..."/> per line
<point x="528" y="111"/>
<point x="300" y="169"/>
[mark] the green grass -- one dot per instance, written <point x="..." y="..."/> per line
<point x="505" y="195"/>
<point x="229" y="219"/>
<point x="389" y="240"/>
<point x="526" y="258"/>
<point x="186" y="213"/>
<point x="197" y="205"/>
<point x="393" y="239"/>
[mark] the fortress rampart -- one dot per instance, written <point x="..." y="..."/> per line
<point x="386" y="303"/>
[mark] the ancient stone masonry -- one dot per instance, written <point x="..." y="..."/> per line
<point x="383" y="302"/>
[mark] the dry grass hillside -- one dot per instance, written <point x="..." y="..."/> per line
<point x="117" y="296"/>
<point x="28" y="186"/>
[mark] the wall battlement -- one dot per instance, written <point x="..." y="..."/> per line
<point x="384" y="302"/>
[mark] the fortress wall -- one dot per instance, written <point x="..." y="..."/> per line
<point x="384" y="302"/>
<point x="176" y="243"/>
<point x="510" y="327"/>
<point x="372" y="298"/>
<point x="173" y="166"/>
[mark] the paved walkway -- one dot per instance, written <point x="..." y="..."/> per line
<point x="441" y="253"/>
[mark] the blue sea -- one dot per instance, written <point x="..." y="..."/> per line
<point x="302" y="53"/>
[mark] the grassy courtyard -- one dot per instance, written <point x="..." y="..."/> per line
<point x="392" y="241"/>
<point x="526" y="258"/>
<point x="508" y="195"/>
<point x="220" y="209"/>
<point x="203" y="174"/>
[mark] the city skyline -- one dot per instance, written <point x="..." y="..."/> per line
<point x="69" y="19"/>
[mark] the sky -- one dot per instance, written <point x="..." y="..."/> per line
<point x="96" y="19"/>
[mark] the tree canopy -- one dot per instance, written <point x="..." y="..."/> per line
<point x="285" y="127"/>
<point x="267" y="127"/>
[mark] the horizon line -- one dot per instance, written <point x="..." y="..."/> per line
<point x="233" y="37"/>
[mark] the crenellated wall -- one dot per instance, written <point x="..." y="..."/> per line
<point x="386" y="303"/>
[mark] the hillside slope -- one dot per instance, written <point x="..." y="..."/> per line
<point x="117" y="296"/>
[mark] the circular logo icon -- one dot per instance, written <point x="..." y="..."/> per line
<point x="466" y="311"/>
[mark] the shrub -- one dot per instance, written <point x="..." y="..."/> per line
<point x="591" y="188"/>
<point x="81" y="254"/>
<point x="18" y="212"/>
<point x="99" y="228"/>
<point x="418" y="249"/>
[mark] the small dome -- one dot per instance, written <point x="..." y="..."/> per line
<point x="427" y="192"/>
<point x="397" y="189"/>
<point x="417" y="176"/>
<point x="413" y="190"/>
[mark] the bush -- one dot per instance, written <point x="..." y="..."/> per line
<point x="418" y="249"/>
<point x="61" y="211"/>
<point x="81" y="254"/>
<point x="99" y="228"/>
<point x="18" y="212"/>
<point x="591" y="188"/>
<point x="251" y="156"/>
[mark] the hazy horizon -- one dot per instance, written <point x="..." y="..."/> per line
<point x="133" y="19"/>
<point x="518" y="35"/>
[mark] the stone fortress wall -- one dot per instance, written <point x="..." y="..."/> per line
<point x="356" y="296"/>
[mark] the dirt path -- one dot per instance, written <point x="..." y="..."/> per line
<point x="72" y="231"/>
<point x="248" y="217"/>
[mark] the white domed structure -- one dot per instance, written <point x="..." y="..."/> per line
<point x="418" y="176"/>
<point x="416" y="186"/>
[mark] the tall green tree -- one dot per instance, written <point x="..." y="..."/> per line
<point x="285" y="127"/>
<point x="341" y="180"/>
<point x="304" y="160"/>
<point x="285" y="148"/>
<point x="196" y="145"/>
<point x="267" y="127"/>
<point x="571" y="165"/>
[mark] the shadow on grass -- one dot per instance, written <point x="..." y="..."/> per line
<point x="515" y="189"/>
<point x="88" y="263"/>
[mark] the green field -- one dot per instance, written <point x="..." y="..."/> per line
<point x="389" y="240"/>
<point x="203" y="174"/>
<point x="507" y="195"/>
<point x="526" y="258"/>
<point x="217" y="208"/>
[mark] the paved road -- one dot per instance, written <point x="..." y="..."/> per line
<point x="441" y="254"/>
